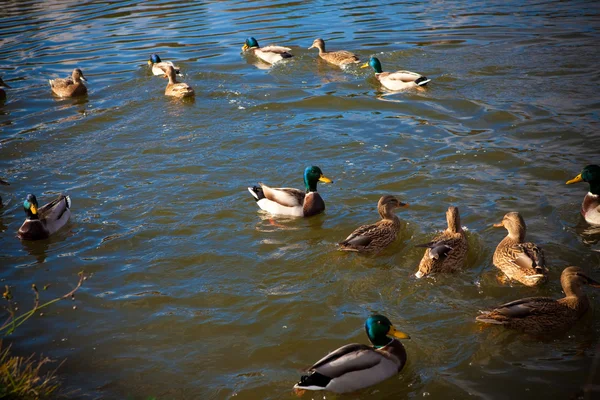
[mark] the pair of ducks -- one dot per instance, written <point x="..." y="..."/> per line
<point x="168" y="70"/>
<point x="357" y="366"/>
<point x="399" y="80"/>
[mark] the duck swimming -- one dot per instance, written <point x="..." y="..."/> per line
<point x="69" y="87"/>
<point x="45" y="221"/>
<point x="399" y="80"/>
<point x="270" y="54"/>
<point x="590" y="208"/>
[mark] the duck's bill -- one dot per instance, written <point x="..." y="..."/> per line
<point x="33" y="209"/>
<point x="244" y="47"/>
<point x="325" y="179"/>
<point x="593" y="283"/>
<point x="403" y="205"/>
<point x="578" y="178"/>
<point x="397" y="334"/>
<point x="149" y="62"/>
<point x="311" y="47"/>
<point x="364" y="65"/>
<point x="498" y="225"/>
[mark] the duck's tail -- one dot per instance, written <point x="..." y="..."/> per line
<point x="422" y="81"/>
<point x="256" y="192"/>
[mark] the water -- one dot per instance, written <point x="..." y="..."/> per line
<point x="194" y="293"/>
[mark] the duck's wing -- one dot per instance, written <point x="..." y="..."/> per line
<point x="348" y="358"/>
<point x="362" y="236"/>
<point x="181" y="89"/>
<point x="529" y="257"/>
<point x="55" y="209"/>
<point x="289" y="197"/>
<point x="525" y="307"/>
<point x="276" y="49"/>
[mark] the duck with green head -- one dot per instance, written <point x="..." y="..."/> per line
<point x="399" y="80"/>
<point x="290" y="201"/>
<point x="159" y="66"/>
<point x="45" y="221"/>
<point x="590" y="208"/>
<point x="270" y="54"/>
<point x="357" y="366"/>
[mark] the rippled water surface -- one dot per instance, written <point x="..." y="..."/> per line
<point x="194" y="292"/>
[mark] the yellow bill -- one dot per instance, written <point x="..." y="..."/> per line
<point x="325" y="179"/>
<point x="498" y="225"/>
<point x="397" y="334"/>
<point x="364" y="65"/>
<point x="33" y="209"/>
<point x="244" y="47"/>
<point x="578" y="178"/>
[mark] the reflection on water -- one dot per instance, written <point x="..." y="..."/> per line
<point x="197" y="293"/>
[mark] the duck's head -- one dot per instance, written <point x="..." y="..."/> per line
<point x="30" y="205"/>
<point x="572" y="278"/>
<point x="154" y="59"/>
<point x="3" y="84"/>
<point x="453" y="219"/>
<point x="373" y="63"/>
<point x="380" y="329"/>
<point x="250" y="42"/>
<point x="591" y="175"/>
<point x="387" y="204"/>
<point x="319" y="44"/>
<point x="514" y="224"/>
<point x="78" y="75"/>
<point x="313" y="175"/>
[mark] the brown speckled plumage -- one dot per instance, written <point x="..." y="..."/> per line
<point x="519" y="260"/>
<point x="538" y="315"/>
<point x="455" y="239"/>
<point x="377" y="236"/>
<point x="339" y="58"/>
<point x="69" y="87"/>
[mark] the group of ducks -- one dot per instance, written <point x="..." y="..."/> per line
<point x="356" y="366"/>
<point x="73" y="85"/>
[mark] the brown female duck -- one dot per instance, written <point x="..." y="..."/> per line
<point x="376" y="237"/>
<point x="340" y="58"/>
<point x="538" y="315"/>
<point x="590" y="208"/>
<point x="519" y="260"/>
<point x="43" y="222"/>
<point x="448" y="250"/>
<point x="174" y="88"/>
<point x="69" y="87"/>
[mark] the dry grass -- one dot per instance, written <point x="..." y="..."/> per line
<point x="22" y="378"/>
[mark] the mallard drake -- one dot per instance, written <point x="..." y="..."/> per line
<point x="519" y="260"/>
<point x="43" y="222"/>
<point x="590" y="208"/>
<point x="357" y="366"/>
<point x="2" y="92"/>
<point x="69" y="87"/>
<point x="399" y="80"/>
<point x="270" y="54"/>
<point x="3" y="182"/>
<point x="290" y="201"/>
<point x="448" y="250"/>
<point x="174" y="88"/>
<point x="539" y="315"/>
<point x="159" y="66"/>
<point x="339" y="58"/>
<point x="377" y="236"/>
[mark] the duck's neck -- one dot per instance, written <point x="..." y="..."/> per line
<point x="595" y="188"/>
<point x="310" y="186"/>
<point x="381" y="341"/>
<point x="516" y="235"/>
<point x="172" y="78"/>
<point x="388" y="214"/>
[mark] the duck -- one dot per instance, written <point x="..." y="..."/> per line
<point x="357" y="366"/>
<point x="539" y="315"/>
<point x="174" y="88"/>
<point x="158" y="66"/>
<point x="43" y="222"/>
<point x="292" y="202"/>
<point x="590" y="208"/>
<point x="340" y="58"/>
<point x="69" y="87"/>
<point x="448" y="250"/>
<point x="375" y="237"/>
<point x="519" y="260"/>
<point x="399" y="80"/>
<point x="270" y="54"/>
<point x="5" y="183"/>
<point x="2" y="92"/>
